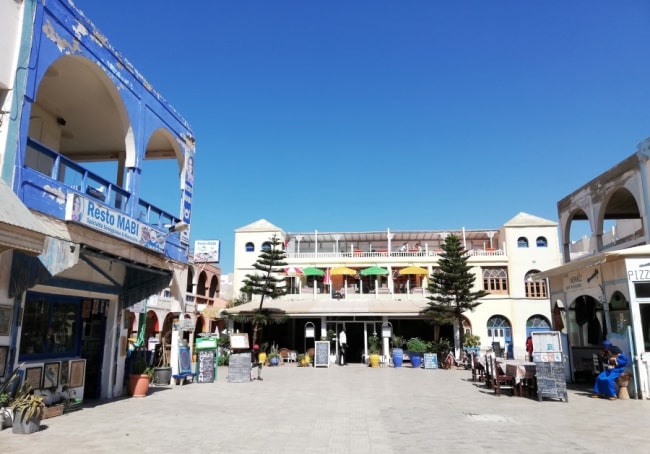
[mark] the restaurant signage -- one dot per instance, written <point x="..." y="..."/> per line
<point x="98" y="216"/>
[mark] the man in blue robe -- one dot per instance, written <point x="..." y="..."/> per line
<point x="615" y="363"/>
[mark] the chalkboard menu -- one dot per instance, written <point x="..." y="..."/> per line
<point x="206" y="370"/>
<point x="322" y="354"/>
<point x="551" y="380"/>
<point x="239" y="368"/>
<point x="430" y="361"/>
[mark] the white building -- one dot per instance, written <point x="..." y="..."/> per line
<point x="603" y="289"/>
<point x="503" y="259"/>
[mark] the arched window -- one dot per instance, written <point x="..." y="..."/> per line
<point x="495" y="280"/>
<point x="619" y="313"/>
<point x="537" y="323"/>
<point x="266" y="246"/>
<point x="541" y="241"/>
<point x="535" y="289"/>
<point x="250" y="247"/>
<point x="522" y="241"/>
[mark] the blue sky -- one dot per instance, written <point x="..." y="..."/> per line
<point x="366" y="115"/>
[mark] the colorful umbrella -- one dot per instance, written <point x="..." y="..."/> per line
<point x="311" y="271"/>
<point x="373" y="271"/>
<point x="293" y="271"/>
<point x="413" y="270"/>
<point x="343" y="270"/>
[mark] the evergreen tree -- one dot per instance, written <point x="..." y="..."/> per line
<point x="451" y="286"/>
<point x="266" y="281"/>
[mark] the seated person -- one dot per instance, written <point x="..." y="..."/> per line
<point x="605" y="385"/>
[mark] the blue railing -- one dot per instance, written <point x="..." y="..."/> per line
<point x="57" y="167"/>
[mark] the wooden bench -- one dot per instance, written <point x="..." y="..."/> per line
<point x="180" y="379"/>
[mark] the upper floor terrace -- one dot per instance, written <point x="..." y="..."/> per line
<point x="95" y="144"/>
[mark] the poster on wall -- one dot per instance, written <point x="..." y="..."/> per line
<point x="65" y="373"/>
<point x="77" y="369"/>
<point x="5" y="320"/>
<point x="51" y="375"/>
<point x="4" y="354"/>
<point x="33" y="376"/>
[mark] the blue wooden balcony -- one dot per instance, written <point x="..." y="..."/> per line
<point x="47" y="178"/>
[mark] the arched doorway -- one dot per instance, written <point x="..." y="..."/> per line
<point x="586" y="322"/>
<point x="499" y="332"/>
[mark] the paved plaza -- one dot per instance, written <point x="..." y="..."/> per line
<point x="352" y="409"/>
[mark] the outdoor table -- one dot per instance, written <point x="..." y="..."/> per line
<point x="521" y="370"/>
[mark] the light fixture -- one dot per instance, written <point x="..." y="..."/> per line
<point x="387" y="330"/>
<point x="178" y="227"/>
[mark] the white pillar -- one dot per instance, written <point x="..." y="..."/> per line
<point x="173" y="356"/>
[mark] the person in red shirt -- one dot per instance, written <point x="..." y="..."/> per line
<point x="529" y="347"/>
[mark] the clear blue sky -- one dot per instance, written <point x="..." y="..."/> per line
<point x="367" y="115"/>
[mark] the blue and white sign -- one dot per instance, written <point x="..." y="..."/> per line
<point x="100" y="217"/>
<point x="206" y="251"/>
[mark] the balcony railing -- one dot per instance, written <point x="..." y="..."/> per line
<point x="74" y="176"/>
<point x="376" y="255"/>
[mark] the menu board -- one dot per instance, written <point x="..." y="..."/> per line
<point x="206" y="372"/>
<point x="322" y="354"/>
<point x="551" y="380"/>
<point x="430" y="360"/>
<point x="239" y="368"/>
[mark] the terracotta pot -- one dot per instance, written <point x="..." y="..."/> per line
<point x="138" y="385"/>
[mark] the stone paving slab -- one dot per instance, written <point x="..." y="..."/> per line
<point x="352" y="409"/>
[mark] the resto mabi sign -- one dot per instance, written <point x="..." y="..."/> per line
<point x="100" y="217"/>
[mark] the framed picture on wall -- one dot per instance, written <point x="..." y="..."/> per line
<point x="77" y="373"/>
<point x="33" y="376"/>
<point x="65" y="373"/>
<point x="4" y="356"/>
<point x="51" y="375"/>
<point x="5" y="320"/>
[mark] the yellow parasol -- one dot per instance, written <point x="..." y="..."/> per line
<point x="413" y="270"/>
<point x="343" y="271"/>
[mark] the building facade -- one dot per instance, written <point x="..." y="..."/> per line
<point x="93" y="257"/>
<point x="603" y="288"/>
<point x="363" y="280"/>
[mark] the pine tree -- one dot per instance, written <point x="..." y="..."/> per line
<point x="266" y="281"/>
<point x="451" y="286"/>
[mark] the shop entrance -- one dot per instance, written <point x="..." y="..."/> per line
<point x="357" y="333"/>
<point x="92" y="348"/>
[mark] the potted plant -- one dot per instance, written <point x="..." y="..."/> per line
<point x="397" y="352"/>
<point x="274" y="355"/>
<point x="374" y="350"/>
<point x="162" y="373"/>
<point x="262" y="356"/>
<point x="304" y="360"/>
<point x="141" y="375"/>
<point x="28" y="410"/>
<point x="5" y="412"/>
<point x="416" y="348"/>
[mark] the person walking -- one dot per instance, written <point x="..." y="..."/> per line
<point x="256" y="362"/>
<point x="343" y="346"/>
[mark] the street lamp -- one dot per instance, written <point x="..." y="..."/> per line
<point x="386" y="330"/>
